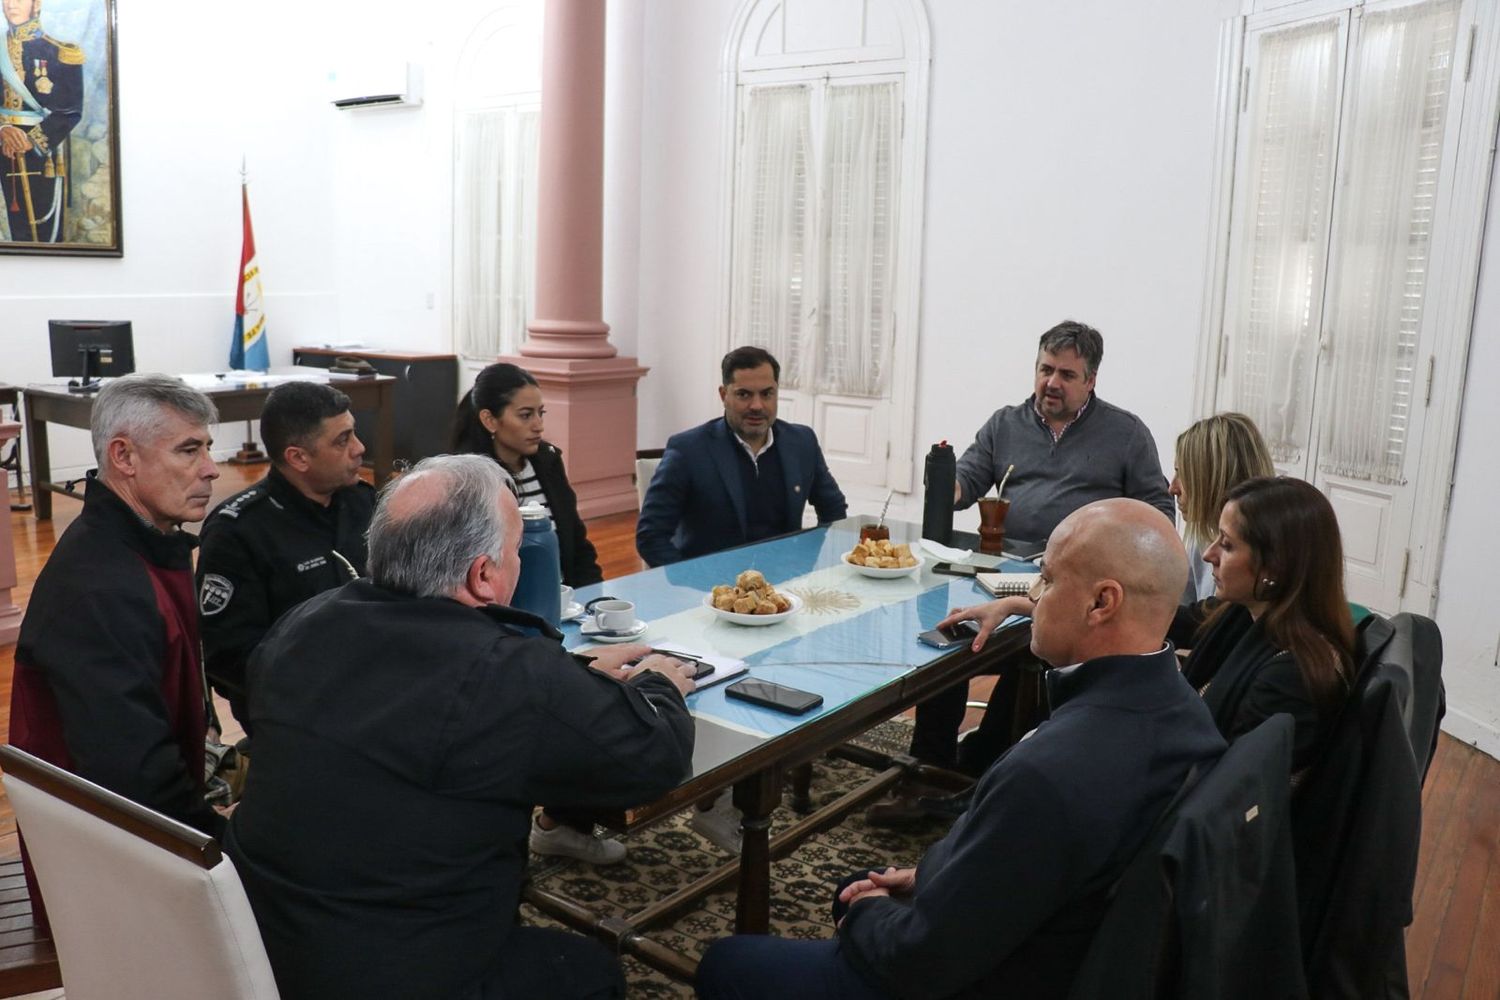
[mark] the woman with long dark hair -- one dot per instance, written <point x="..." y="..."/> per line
<point x="502" y="416"/>
<point x="1277" y="636"/>
<point x="1282" y="638"/>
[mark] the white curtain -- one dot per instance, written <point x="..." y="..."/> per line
<point x="856" y="236"/>
<point x="1284" y="235"/>
<point x="494" y="229"/>
<point x="1393" y="142"/>
<point x="770" y="226"/>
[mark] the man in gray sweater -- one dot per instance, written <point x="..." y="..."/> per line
<point x="1069" y="447"/>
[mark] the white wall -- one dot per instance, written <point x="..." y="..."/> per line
<point x="196" y="93"/>
<point x="1466" y="593"/>
<point x="1068" y="175"/>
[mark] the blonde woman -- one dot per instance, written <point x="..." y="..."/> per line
<point x="1212" y="457"/>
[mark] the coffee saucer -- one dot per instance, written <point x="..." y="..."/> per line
<point x="573" y="612"/>
<point x="590" y="630"/>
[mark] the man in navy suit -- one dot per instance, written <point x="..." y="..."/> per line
<point x="738" y="479"/>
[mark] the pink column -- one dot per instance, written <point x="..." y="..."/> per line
<point x="589" y="389"/>
<point x="10" y="615"/>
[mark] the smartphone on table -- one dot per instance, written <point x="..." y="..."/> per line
<point x="959" y="569"/>
<point x="951" y="636"/>
<point x="778" y="697"/>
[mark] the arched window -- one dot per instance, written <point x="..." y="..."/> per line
<point x="827" y="151"/>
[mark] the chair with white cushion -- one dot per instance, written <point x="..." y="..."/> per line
<point x="142" y="907"/>
<point x="646" y="461"/>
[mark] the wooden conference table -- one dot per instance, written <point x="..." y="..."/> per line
<point x="51" y="403"/>
<point x="854" y="642"/>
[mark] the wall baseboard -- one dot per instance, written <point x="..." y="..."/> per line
<point x="1482" y="736"/>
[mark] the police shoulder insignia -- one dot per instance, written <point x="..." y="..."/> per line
<point x="215" y="594"/>
<point x="233" y="507"/>
<point x="68" y="53"/>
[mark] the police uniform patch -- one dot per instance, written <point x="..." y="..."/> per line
<point x="215" y="594"/>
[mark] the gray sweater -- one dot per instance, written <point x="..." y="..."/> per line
<point x="1107" y="452"/>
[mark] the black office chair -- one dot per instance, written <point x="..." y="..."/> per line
<point x="1208" y="906"/>
<point x="1357" y="817"/>
<point x="1413" y="647"/>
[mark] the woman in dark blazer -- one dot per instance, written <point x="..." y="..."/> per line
<point x="1277" y="636"/>
<point x="502" y="416"/>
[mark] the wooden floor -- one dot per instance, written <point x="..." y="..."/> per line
<point x="1453" y="946"/>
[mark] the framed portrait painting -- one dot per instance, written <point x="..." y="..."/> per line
<point x="59" y="129"/>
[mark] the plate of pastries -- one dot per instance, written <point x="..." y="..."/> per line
<point x="879" y="558"/>
<point x="750" y="600"/>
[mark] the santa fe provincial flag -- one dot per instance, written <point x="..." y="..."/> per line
<point x="249" y="348"/>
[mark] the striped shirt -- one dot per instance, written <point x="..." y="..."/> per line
<point x="529" y="489"/>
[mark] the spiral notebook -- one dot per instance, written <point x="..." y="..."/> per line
<point x="1006" y="584"/>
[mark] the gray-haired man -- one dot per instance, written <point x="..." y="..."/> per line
<point x="109" y="677"/>
<point x="383" y="846"/>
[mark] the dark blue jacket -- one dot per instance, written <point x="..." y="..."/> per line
<point x="1007" y="903"/>
<point x="451" y="723"/>
<point x="695" y="504"/>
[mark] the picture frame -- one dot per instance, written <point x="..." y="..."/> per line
<point x="60" y="130"/>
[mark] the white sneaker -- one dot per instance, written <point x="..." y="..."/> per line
<point x="720" y="825"/>
<point x="565" y="842"/>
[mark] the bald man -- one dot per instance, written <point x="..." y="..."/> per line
<point x="383" y="846"/>
<point x="1007" y="903"/>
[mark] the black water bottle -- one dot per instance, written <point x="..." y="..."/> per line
<point x="937" y="503"/>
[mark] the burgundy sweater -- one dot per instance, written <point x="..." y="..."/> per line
<point x="109" y="676"/>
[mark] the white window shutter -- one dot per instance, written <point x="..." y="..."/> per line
<point x="771" y="207"/>
<point x="1393" y="145"/>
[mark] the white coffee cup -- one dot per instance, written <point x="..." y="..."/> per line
<point x="612" y="615"/>
<point x="567" y="597"/>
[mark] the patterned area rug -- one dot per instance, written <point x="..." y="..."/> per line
<point x="668" y="855"/>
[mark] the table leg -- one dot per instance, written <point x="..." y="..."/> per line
<point x="802" y="776"/>
<point x="756" y="797"/>
<point x="41" y="463"/>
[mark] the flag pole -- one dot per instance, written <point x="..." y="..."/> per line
<point x="250" y="453"/>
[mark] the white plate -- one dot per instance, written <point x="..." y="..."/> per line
<point x="887" y="574"/>
<point x="592" y="632"/>
<point x="572" y="612"/>
<point x="738" y="619"/>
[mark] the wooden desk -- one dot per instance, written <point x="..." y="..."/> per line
<point x="854" y="642"/>
<point x="52" y="403"/>
<point x="425" y="394"/>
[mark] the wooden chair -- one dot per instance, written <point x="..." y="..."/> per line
<point x="646" y="461"/>
<point x="142" y="907"/>
<point x="28" y="961"/>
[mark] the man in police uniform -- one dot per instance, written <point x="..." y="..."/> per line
<point x="41" y="101"/>
<point x="296" y="533"/>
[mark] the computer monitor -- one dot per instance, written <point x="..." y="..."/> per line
<point x="89" y="349"/>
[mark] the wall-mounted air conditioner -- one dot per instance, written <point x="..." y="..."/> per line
<point x="377" y="84"/>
